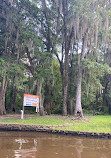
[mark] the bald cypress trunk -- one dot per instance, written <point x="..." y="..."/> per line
<point x="65" y="84"/>
<point x="41" y="97"/>
<point x="78" y="108"/>
<point x="2" y="95"/>
<point x="67" y="44"/>
<point x="13" y="95"/>
<point x="71" y="106"/>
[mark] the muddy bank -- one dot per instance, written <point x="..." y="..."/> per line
<point x="48" y="129"/>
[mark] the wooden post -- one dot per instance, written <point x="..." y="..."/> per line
<point x="22" y="111"/>
<point x="37" y="111"/>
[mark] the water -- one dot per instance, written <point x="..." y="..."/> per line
<point x="39" y="145"/>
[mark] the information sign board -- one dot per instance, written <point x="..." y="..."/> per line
<point x="31" y="100"/>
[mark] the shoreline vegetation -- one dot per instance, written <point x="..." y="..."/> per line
<point x="98" y="126"/>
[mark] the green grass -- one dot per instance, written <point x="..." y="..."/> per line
<point x="45" y="120"/>
<point x="91" y="124"/>
<point x="94" y="124"/>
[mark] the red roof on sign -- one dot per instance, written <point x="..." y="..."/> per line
<point x="32" y="96"/>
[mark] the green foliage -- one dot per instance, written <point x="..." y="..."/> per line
<point x="95" y="71"/>
<point x="57" y="89"/>
<point x="10" y="66"/>
<point x="27" y="24"/>
<point x="98" y="68"/>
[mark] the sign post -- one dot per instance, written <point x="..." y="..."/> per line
<point x="30" y="100"/>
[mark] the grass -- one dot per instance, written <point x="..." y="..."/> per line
<point x="95" y="124"/>
<point x="90" y="124"/>
<point x="44" y="120"/>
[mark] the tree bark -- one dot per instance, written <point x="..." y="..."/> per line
<point x="13" y="95"/>
<point x="2" y="96"/>
<point x="65" y="85"/>
<point x="48" y="93"/>
<point x="41" y="98"/>
<point x="71" y="106"/>
<point x="67" y="42"/>
<point x="78" y="108"/>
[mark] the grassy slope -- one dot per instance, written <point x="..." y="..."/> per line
<point x="92" y="123"/>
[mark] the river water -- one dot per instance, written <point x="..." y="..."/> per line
<point x="40" y="145"/>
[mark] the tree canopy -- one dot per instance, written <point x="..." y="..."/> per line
<point x="59" y="50"/>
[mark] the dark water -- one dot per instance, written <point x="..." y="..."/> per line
<point x="39" y="145"/>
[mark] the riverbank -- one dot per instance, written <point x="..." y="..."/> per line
<point x="92" y="126"/>
<point x="48" y="129"/>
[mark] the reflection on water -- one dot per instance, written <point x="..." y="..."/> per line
<point x="25" y="152"/>
<point x="39" y="145"/>
<point x="79" y="147"/>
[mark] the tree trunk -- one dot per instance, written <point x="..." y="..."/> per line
<point x="2" y="96"/>
<point x="48" y="108"/>
<point x="13" y="102"/>
<point x="71" y="106"/>
<point x="67" y="42"/>
<point x="47" y="94"/>
<point x="78" y="108"/>
<point x="41" y="98"/>
<point x="13" y="96"/>
<point x="65" y="85"/>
